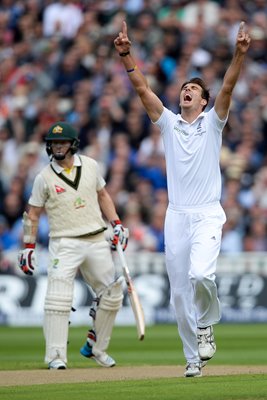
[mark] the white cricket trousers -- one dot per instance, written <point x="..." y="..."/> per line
<point x="193" y="240"/>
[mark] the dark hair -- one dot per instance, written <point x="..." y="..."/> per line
<point x="205" y="91"/>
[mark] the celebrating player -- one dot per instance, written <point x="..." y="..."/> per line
<point x="73" y="194"/>
<point x="194" y="217"/>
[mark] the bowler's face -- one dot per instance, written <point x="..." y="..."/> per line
<point x="190" y="96"/>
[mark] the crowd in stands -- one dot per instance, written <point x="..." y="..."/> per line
<point x="58" y="62"/>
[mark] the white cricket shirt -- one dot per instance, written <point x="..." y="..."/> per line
<point x="70" y="199"/>
<point x="192" y="152"/>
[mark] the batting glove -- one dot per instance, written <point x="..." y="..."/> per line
<point x="27" y="262"/>
<point x="120" y="234"/>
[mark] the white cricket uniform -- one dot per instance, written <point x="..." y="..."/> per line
<point x="194" y="220"/>
<point x="77" y="241"/>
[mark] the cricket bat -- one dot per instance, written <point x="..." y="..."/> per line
<point x="133" y="296"/>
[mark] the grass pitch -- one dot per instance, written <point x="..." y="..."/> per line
<point x="244" y="344"/>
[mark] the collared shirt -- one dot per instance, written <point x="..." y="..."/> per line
<point x="39" y="191"/>
<point x="192" y="152"/>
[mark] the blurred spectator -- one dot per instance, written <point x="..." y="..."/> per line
<point x="232" y="235"/>
<point x="62" y="18"/>
<point x="150" y="146"/>
<point x="142" y="238"/>
<point x="7" y="241"/>
<point x="256" y="236"/>
<point x="156" y="225"/>
<point x="70" y="71"/>
<point x="206" y="12"/>
<point x="12" y="208"/>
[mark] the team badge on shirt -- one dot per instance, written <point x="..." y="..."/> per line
<point x="200" y="130"/>
<point x="55" y="262"/>
<point x="59" y="189"/>
<point x="79" y="203"/>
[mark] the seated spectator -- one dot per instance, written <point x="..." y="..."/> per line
<point x="62" y="18"/>
<point x="7" y="240"/>
<point x="256" y="236"/>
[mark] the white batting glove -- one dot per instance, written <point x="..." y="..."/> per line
<point x="120" y="234"/>
<point x="27" y="259"/>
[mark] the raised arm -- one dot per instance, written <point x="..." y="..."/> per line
<point x="223" y="99"/>
<point x="150" y="100"/>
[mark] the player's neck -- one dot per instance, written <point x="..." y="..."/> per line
<point x="67" y="163"/>
<point x="190" y="115"/>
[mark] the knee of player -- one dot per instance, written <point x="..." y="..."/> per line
<point x="111" y="298"/>
<point x="179" y="294"/>
<point x="197" y="275"/>
<point x="59" y="296"/>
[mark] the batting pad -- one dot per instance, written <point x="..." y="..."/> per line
<point x="109" y="305"/>
<point x="57" y="308"/>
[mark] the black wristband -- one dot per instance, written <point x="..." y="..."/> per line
<point x="124" y="54"/>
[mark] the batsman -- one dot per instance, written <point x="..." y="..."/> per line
<point x="71" y="190"/>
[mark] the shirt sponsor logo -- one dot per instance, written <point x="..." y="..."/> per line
<point x="199" y="131"/>
<point x="181" y="131"/>
<point x="59" y="189"/>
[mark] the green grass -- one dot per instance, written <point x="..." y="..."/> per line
<point x="243" y="344"/>
<point x="210" y="388"/>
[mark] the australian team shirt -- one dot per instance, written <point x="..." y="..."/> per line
<point x="70" y="199"/>
<point x="192" y="152"/>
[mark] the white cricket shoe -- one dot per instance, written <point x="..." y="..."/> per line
<point x="57" y="364"/>
<point x="193" y="370"/>
<point x="104" y="360"/>
<point x="101" y="358"/>
<point x="206" y="343"/>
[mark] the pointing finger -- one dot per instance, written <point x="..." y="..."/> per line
<point x="124" y="28"/>
<point x="241" y="28"/>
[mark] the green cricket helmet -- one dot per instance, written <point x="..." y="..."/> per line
<point x="62" y="131"/>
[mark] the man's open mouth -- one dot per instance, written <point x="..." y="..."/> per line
<point x="187" y="97"/>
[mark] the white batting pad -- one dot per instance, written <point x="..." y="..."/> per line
<point x="58" y="303"/>
<point x="109" y="305"/>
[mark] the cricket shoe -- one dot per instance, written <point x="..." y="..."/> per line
<point x="206" y="343"/>
<point x="193" y="370"/>
<point x="57" y="364"/>
<point x="100" y="358"/>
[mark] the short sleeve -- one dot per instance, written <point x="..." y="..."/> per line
<point x="39" y="192"/>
